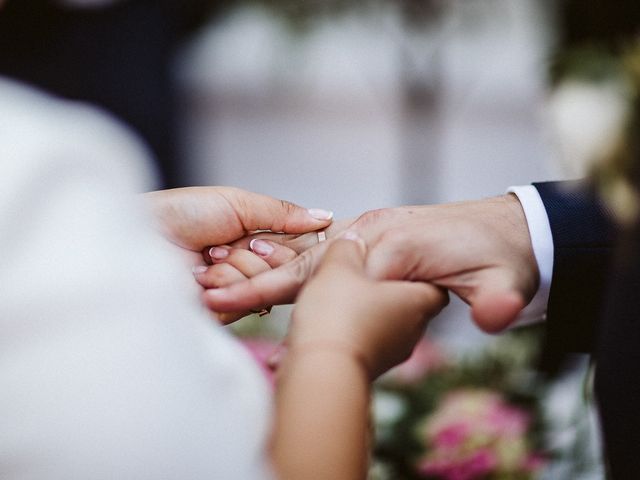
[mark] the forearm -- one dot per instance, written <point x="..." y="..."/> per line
<point x="322" y="407"/>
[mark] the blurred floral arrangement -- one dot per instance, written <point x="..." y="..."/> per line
<point x="439" y="416"/>
<point x="480" y="417"/>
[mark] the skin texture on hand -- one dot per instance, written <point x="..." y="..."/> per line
<point x="480" y="250"/>
<point x="379" y="320"/>
<point x="232" y="265"/>
<point x="197" y="217"/>
<point x="346" y="330"/>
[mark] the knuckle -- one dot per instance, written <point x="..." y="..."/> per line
<point x="244" y="210"/>
<point x="287" y="207"/>
<point x="281" y="256"/>
<point x="300" y="268"/>
<point x="238" y="255"/>
<point x="239" y="205"/>
<point x="372" y="217"/>
<point x="218" y="275"/>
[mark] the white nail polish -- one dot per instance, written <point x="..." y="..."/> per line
<point x="320" y="214"/>
<point x="218" y="253"/>
<point x="261" y="247"/>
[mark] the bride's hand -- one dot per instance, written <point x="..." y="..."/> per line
<point x="196" y="218"/>
<point x="376" y="322"/>
<point x="233" y="265"/>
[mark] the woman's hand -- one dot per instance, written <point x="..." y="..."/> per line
<point x="376" y="322"/>
<point x="347" y="329"/>
<point x="233" y="265"/>
<point x="196" y="218"/>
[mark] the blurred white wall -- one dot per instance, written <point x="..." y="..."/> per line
<point x="316" y="117"/>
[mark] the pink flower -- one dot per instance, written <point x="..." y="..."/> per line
<point x="484" y="411"/>
<point x="534" y="463"/>
<point x="452" y="436"/>
<point x="474" y="432"/>
<point x="261" y="350"/>
<point x="508" y="421"/>
<point x="426" y="358"/>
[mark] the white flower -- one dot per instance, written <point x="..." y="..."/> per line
<point x="387" y="408"/>
<point x="587" y="120"/>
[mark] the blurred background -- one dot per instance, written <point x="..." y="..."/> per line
<point x="353" y="105"/>
<point x="381" y="104"/>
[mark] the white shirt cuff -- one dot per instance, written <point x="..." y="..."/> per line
<point x="542" y="242"/>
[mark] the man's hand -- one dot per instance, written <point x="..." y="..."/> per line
<point x="197" y="217"/>
<point x="377" y="321"/>
<point x="480" y="250"/>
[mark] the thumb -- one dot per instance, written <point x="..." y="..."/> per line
<point x="347" y="252"/>
<point x="261" y="212"/>
<point x="417" y="297"/>
<point x="495" y="311"/>
<point x="496" y="304"/>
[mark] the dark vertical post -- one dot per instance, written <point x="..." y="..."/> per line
<point x="421" y="91"/>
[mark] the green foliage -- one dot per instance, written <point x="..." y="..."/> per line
<point x="592" y="63"/>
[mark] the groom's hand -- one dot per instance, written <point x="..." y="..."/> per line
<point x="479" y="250"/>
<point x="197" y="217"/>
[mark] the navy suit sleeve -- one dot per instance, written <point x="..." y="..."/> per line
<point x="584" y="236"/>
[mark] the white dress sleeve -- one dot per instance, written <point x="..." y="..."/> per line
<point x="109" y="368"/>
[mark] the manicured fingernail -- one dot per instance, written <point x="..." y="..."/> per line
<point x="320" y="214"/>
<point x="199" y="269"/>
<point x="218" y="253"/>
<point x="261" y="247"/>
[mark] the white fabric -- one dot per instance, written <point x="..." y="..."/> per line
<point x="109" y="367"/>
<point x="542" y="241"/>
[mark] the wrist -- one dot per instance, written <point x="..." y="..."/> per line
<point x="327" y="351"/>
<point x="520" y="238"/>
<point x="514" y="212"/>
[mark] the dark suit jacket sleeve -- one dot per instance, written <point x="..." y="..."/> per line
<point x="584" y="235"/>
